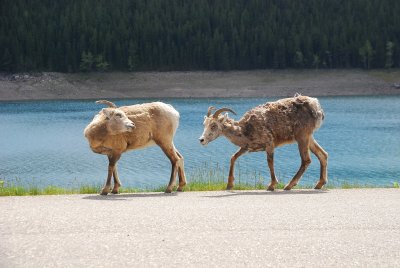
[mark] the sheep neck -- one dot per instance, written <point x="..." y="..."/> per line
<point x="233" y="132"/>
<point x="96" y="131"/>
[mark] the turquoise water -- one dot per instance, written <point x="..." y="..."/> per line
<point x="42" y="142"/>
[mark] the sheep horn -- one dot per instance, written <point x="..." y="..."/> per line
<point x="217" y="112"/>
<point x="106" y="102"/>
<point x="210" y="110"/>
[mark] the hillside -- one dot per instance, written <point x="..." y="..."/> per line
<point x="148" y="35"/>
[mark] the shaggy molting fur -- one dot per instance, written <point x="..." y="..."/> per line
<point x="268" y="126"/>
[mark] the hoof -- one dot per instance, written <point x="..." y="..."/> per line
<point x="319" y="185"/>
<point x="271" y="188"/>
<point x="181" y="186"/>
<point x="116" y="187"/>
<point x="287" y="188"/>
<point x="105" y="191"/>
<point x="168" y="191"/>
<point x="229" y="187"/>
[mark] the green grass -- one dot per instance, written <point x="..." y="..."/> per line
<point x="209" y="185"/>
<point x="13" y="190"/>
<point x="204" y="178"/>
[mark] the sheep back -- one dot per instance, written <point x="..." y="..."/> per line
<point x="282" y="121"/>
<point x="154" y="123"/>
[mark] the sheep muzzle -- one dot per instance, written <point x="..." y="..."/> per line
<point x="130" y="126"/>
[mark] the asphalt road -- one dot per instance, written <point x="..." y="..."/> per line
<point x="300" y="228"/>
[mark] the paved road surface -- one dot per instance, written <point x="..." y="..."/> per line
<point x="300" y="228"/>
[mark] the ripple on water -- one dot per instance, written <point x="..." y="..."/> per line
<point x="43" y="141"/>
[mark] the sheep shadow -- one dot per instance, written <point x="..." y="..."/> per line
<point x="265" y="193"/>
<point x="120" y="197"/>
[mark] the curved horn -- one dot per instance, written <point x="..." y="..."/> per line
<point x="210" y="110"/>
<point x="217" y="112"/>
<point x="108" y="103"/>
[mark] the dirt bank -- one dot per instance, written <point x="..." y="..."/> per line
<point x="260" y="83"/>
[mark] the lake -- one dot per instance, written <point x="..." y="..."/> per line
<point x="42" y="143"/>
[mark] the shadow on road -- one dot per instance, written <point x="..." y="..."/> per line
<point x="292" y="192"/>
<point x="116" y="197"/>
<point x="120" y="197"/>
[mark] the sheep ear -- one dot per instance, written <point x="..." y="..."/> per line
<point x="107" y="112"/>
<point x="205" y="117"/>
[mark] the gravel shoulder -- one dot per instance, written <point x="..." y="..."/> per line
<point x="300" y="228"/>
<point x="257" y="83"/>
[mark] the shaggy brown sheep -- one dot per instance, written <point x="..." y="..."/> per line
<point x="268" y="126"/>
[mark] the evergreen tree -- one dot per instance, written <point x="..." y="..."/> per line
<point x="299" y="59"/>
<point x="316" y="61"/>
<point x="6" y="61"/>
<point x="201" y="34"/>
<point x="101" y="64"/>
<point x="389" y="55"/>
<point x="87" y="62"/>
<point x="366" y="52"/>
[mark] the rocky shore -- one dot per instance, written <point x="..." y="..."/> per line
<point x="258" y="83"/>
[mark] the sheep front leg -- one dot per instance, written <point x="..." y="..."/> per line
<point x="117" y="182"/>
<point x="231" y="177"/>
<point x="274" y="180"/>
<point x="112" y="161"/>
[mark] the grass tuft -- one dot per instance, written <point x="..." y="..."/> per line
<point x="89" y="189"/>
<point x="204" y="178"/>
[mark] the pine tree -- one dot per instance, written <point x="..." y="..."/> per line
<point x="366" y="52"/>
<point x="101" y="64"/>
<point x="389" y="55"/>
<point x="299" y="59"/>
<point x="316" y="61"/>
<point x="87" y="62"/>
<point x="201" y="34"/>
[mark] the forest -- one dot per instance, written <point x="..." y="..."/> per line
<point x="161" y="35"/>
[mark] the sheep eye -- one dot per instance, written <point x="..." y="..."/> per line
<point x="214" y="127"/>
<point x="119" y="115"/>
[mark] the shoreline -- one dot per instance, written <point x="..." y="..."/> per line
<point x="184" y="98"/>
<point x="195" y="186"/>
<point x="198" y="84"/>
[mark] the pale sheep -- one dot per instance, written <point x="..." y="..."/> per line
<point x="115" y="130"/>
<point x="268" y="126"/>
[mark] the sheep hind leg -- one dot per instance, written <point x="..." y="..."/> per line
<point x="322" y="156"/>
<point x="231" y="177"/>
<point x="274" y="180"/>
<point x="181" y="172"/>
<point x="112" y="161"/>
<point x="117" y="182"/>
<point x="170" y="152"/>
<point x="305" y="162"/>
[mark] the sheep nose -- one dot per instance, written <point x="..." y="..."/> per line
<point x="201" y="140"/>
